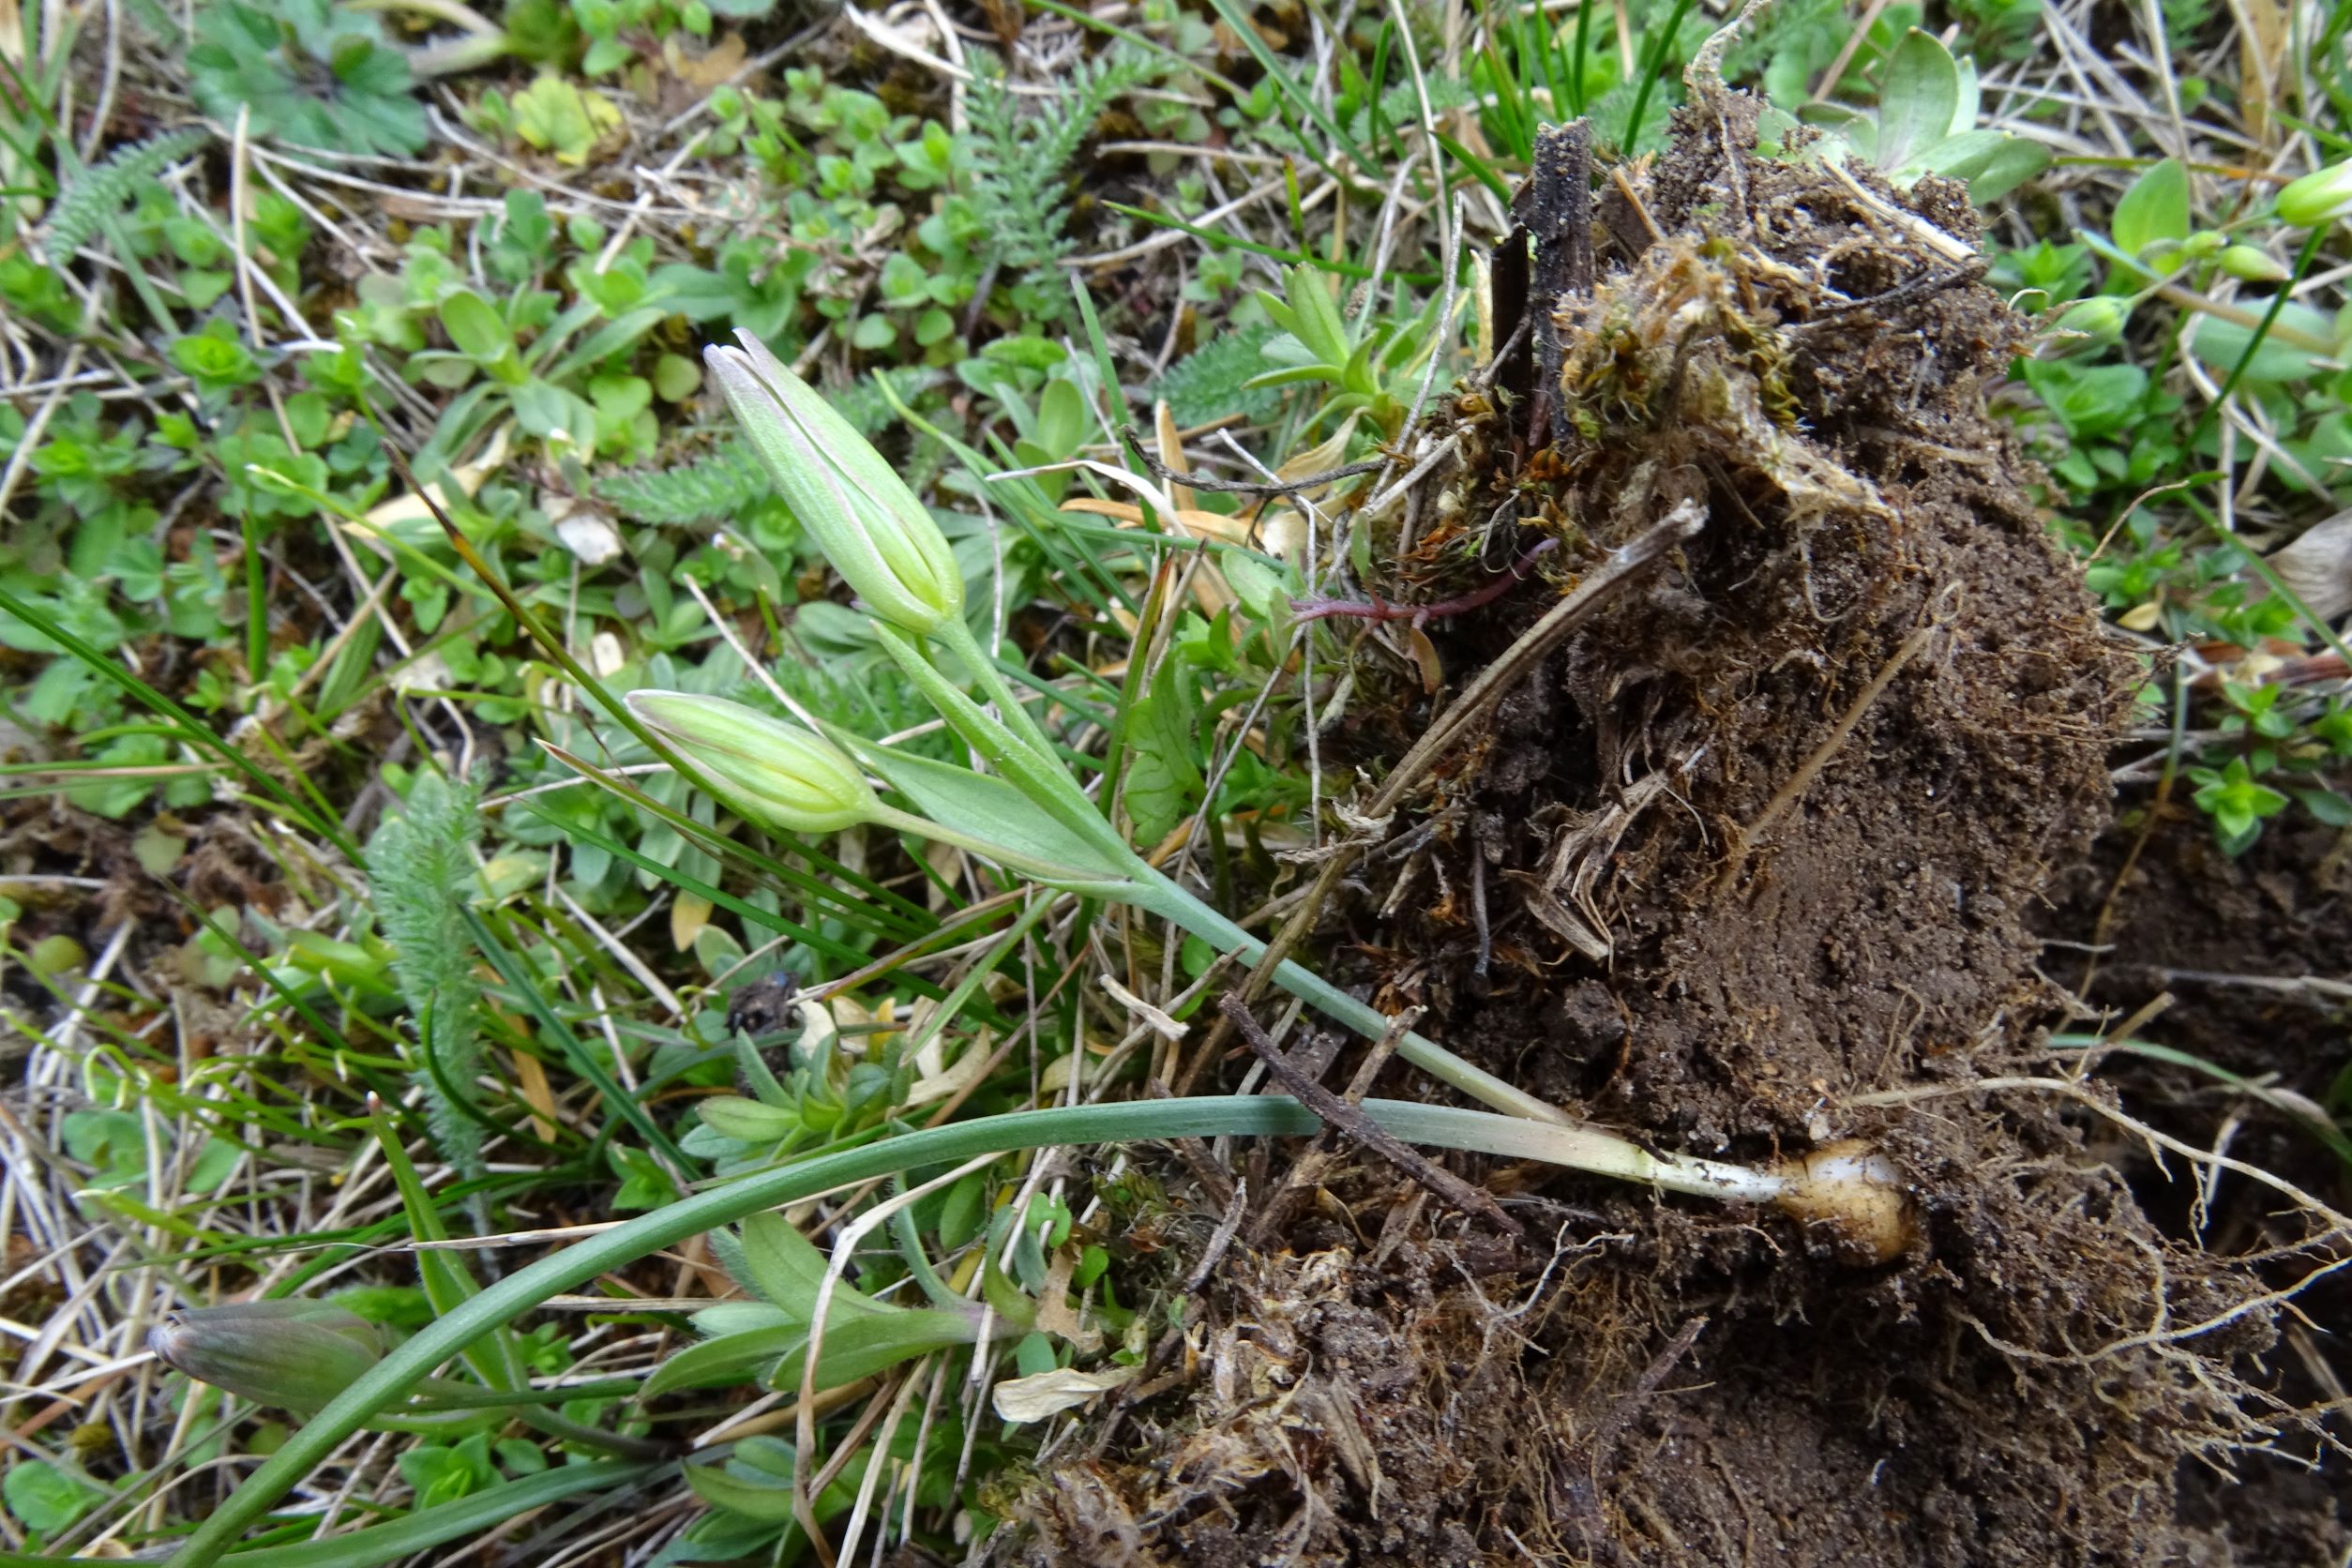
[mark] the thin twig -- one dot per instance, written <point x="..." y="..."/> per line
<point x="1351" y="1120"/>
<point x="1191" y="480"/>
<point x="1744" y="838"/>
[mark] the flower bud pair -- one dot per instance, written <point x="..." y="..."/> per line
<point x="861" y="514"/>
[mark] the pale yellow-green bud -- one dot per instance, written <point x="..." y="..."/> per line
<point x="2252" y="263"/>
<point x="296" y="1355"/>
<point x="860" y="513"/>
<point x="2089" y="325"/>
<point x="787" y="776"/>
<point x="2318" y="198"/>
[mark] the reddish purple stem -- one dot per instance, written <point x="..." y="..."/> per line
<point x="1379" y="609"/>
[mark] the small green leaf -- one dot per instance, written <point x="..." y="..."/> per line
<point x="1263" y="588"/>
<point x="2156" y="209"/>
<point x="676" y="378"/>
<point x="557" y="116"/>
<point x="786" y="1269"/>
<point x="1061" y="419"/>
<point x="2329" y="807"/>
<point x="864" y="1346"/>
<point x="1917" y="103"/>
<point x="1163" y="778"/>
<point x="855" y="1347"/>
<point x="215" y="1163"/>
<point x="480" y="332"/>
<point x="960" y="1214"/>
<point x="770" y="1504"/>
<point x="1992" y="163"/>
<point x="44" y="1497"/>
<point x="113" y="1141"/>
<point x="729" y="1358"/>
<point x="2223" y="343"/>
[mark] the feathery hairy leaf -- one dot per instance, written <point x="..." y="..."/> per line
<point x="1212" y="382"/>
<point x="99" y="192"/>
<point x="1018" y="163"/>
<point x="420" y="865"/>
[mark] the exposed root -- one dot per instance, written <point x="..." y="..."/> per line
<point x="1789" y="794"/>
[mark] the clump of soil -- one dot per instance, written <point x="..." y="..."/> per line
<point x="1743" y="868"/>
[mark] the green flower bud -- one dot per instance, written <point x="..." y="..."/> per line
<point x="296" y="1355"/>
<point x="785" y="774"/>
<point x="2204" y="243"/>
<point x="2089" y="325"/>
<point x="870" y="525"/>
<point x="2252" y="263"/>
<point x="2319" y="199"/>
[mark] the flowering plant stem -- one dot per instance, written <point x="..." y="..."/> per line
<point x="1439" y="1126"/>
<point x="1118" y="872"/>
<point x="966" y="647"/>
<point x="1165" y="898"/>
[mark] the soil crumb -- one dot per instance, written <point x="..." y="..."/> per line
<point x="1742" y="866"/>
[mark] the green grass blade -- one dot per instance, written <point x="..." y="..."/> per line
<point x="1277" y="71"/>
<point x="580" y="1060"/>
<point x="450" y="1521"/>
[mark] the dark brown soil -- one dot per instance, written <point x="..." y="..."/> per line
<point x="2235" y="944"/>
<point x="1757" y="844"/>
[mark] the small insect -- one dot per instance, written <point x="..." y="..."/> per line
<point x="763" y="1007"/>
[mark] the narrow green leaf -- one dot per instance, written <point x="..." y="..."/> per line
<point x="855" y="1348"/>
<point x="581" y="1061"/>
<point x="768" y="1505"/>
<point x="1041" y="779"/>
<point x="480" y="332"/>
<point x="747" y="1121"/>
<point x="450" y="1521"/>
<point x="788" y="1269"/>
<point x="989" y="808"/>
<point x="864" y="1346"/>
